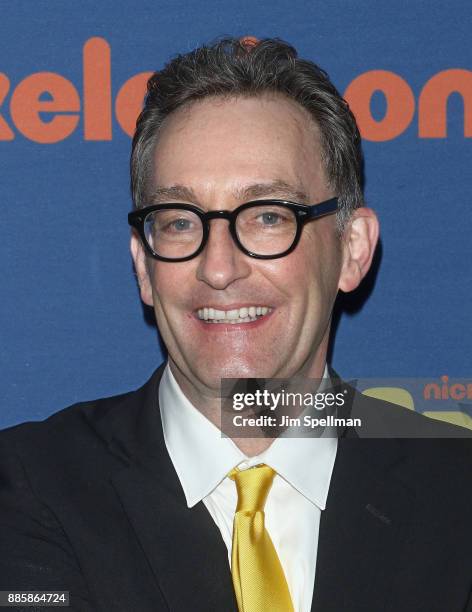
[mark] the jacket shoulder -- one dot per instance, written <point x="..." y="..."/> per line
<point x="79" y="431"/>
<point x="67" y="423"/>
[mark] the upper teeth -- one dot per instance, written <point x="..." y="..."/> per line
<point x="232" y="315"/>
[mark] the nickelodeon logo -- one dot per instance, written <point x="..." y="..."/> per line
<point x="446" y="391"/>
<point x="45" y="107"/>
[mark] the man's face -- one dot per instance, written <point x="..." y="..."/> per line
<point x="217" y="154"/>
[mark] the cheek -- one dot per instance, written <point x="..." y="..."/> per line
<point x="315" y="270"/>
<point x="170" y="283"/>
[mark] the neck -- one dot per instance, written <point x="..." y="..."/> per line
<point x="208" y="402"/>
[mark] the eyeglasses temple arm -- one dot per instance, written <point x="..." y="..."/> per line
<point x="324" y="208"/>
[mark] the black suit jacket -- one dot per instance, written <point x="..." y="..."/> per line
<point x="90" y="503"/>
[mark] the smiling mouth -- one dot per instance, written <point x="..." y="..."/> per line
<point x="246" y="314"/>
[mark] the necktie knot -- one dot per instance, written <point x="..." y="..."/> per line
<point x="253" y="486"/>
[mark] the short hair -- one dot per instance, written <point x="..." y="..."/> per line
<point x="233" y="67"/>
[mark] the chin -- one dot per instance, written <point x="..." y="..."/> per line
<point x="231" y="368"/>
<point x="237" y="370"/>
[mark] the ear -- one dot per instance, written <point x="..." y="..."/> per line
<point x="139" y="258"/>
<point x="359" y="242"/>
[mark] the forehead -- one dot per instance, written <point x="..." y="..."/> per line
<point x="221" y="145"/>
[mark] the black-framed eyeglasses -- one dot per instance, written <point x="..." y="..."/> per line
<point x="265" y="229"/>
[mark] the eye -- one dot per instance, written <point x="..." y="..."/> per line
<point x="172" y="222"/>
<point x="180" y="225"/>
<point x="270" y="218"/>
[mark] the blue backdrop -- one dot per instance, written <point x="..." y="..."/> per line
<point x="72" y="327"/>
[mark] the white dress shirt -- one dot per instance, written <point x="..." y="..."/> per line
<point x="202" y="459"/>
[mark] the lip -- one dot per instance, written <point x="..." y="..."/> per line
<point x="232" y="327"/>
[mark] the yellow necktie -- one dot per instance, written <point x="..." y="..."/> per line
<point x="258" y="578"/>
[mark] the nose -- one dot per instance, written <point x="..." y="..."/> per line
<point x="221" y="262"/>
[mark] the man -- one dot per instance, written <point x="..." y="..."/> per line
<point x="249" y="218"/>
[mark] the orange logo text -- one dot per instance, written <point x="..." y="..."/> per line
<point x="46" y="107"/>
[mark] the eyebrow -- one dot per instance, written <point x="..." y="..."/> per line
<point x="276" y="188"/>
<point x="176" y="192"/>
<point x="270" y="189"/>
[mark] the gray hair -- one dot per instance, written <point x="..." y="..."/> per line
<point x="234" y="67"/>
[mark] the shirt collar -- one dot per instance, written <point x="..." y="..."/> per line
<point x="202" y="457"/>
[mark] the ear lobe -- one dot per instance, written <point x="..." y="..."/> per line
<point x="359" y="242"/>
<point x="139" y="259"/>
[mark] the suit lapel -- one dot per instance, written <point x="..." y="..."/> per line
<point x="183" y="546"/>
<point x="364" y="529"/>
